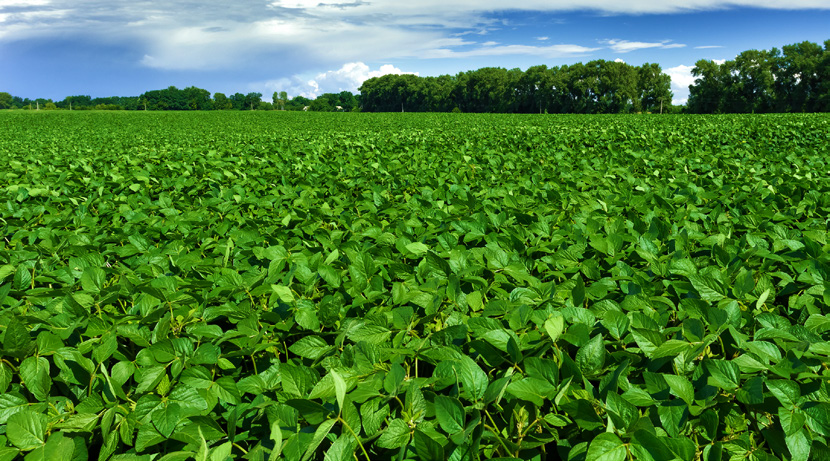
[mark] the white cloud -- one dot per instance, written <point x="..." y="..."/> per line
<point x="681" y="78"/>
<point x="309" y="3"/>
<point x="347" y="78"/>
<point x="552" y="51"/>
<point x="719" y="61"/>
<point x="707" y="47"/>
<point x="314" y="34"/>
<point x="18" y="3"/>
<point x="351" y="76"/>
<point x="490" y="43"/>
<point x="619" y="60"/>
<point x="625" y="46"/>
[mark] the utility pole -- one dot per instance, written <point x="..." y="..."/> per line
<point x="661" y="106"/>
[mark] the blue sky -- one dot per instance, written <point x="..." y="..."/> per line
<point x="55" y="48"/>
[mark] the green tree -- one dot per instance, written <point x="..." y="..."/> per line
<point x="279" y="98"/>
<point x="823" y="75"/>
<point x="706" y="93"/>
<point x="297" y="103"/>
<point x="197" y="98"/>
<point x="653" y="88"/>
<point x="5" y="100"/>
<point x="798" y="79"/>
<point x="321" y="104"/>
<point x="753" y="81"/>
<point x="221" y="102"/>
<point x="237" y="101"/>
<point x="252" y="100"/>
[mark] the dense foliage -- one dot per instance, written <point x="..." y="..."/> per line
<point x="596" y="87"/>
<point x="407" y="286"/>
<point x="592" y="88"/>
<point x="793" y="79"/>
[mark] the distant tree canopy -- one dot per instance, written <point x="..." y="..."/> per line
<point x="595" y="87"/>
<point x="793" y="79"/>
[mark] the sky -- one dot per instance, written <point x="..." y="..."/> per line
<point x="57" y="48"/>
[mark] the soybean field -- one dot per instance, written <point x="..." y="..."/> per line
<point x="345" y="286"/>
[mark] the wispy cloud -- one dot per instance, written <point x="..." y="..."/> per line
<point x="707" y="47"/>
<point x="553" y="51"/>
<point x="626" y="46"/>
<point x="212" y="36"/>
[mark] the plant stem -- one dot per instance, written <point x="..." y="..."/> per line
<point x="349" y="428"/>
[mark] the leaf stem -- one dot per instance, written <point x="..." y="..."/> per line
<point x="351" y="431"/>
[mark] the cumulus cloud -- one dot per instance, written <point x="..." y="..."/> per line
<point x="349" y="77"/>
<point x="625" y="46"/>
<point x="681" y="78"/>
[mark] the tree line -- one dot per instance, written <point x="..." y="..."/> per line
<point x="190" y="98"/>
<point x="795" y="78"/>
<point x="595" y="87"/>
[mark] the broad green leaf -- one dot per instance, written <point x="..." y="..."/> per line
<point x="623" y="413"/>
<point x="8" y="453"/>
<point x="342" y="449"/>
<point x="606" y="447"/>
<point x="723" y="374"/>
<point x="708" y="288"/>
<point x="426" y="448"/>
<point x="166" y="418"/>
<point x="16" y="340"/>
<point x="450" y="414"/>
<point x="276" y="436"/>
<point x="818" y="417"/>
<point x="284" y="293"/>
<point x="395" y="435"/>
<point x="681" y="387"/>
<point x="792" y="420"/>
<point x="34" y="371"/>
<point x="555" y="326"/>
<point x="417" y="249"/>
<point x="787" y="392"/>
<point x="222" y="452"/>
<point x="11" y="404"/>
<point x="591" y="357"/>
<point x="671" y="348"/>
<point x="26" y="429"/>
<point x="311" y="347"/>
<point x="532" y="389"/>
<point x="799" y="445"/>
<point x="340" y="389"/>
